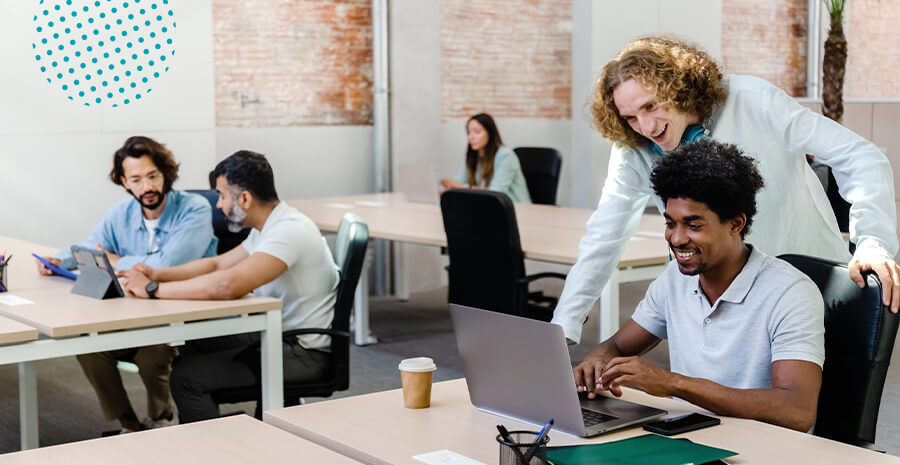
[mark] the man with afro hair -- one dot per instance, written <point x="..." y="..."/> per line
<point x="746" y="330"/>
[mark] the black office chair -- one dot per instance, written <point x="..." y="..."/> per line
<point x="349" y="253"/>
<point x="859" y="339"/>
<point x="487" y="267"/>
<point x="227" y="239"/>
<point x="541" y="167"/>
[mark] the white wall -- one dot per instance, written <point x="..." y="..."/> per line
<point x="309" y="161"/>
<point x="56" y="154"/>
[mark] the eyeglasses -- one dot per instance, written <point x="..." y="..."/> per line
<point x="137" y="181"/>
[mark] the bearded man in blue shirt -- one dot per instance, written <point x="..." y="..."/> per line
<point x="160" y="227"/>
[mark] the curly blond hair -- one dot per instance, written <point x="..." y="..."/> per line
<point x="682" y="76"/>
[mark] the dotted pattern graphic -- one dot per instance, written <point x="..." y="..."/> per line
<point x="103" y="51"/>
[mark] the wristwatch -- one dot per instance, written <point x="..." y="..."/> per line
<point x="151" y="289"/>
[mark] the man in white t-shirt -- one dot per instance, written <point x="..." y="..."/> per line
<point x="285" y="257"/>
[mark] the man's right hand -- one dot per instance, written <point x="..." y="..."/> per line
<point x="587" y="375"/>
<point x="141" y="268"/>
<point x="43" y="270"/>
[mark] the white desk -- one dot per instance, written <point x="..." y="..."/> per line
<point x="74" y="325"/>
<point x="234" y="440"/>
<point x="377" y="429"/>
<point x="547" y="233"/>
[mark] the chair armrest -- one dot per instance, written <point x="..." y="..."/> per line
<point x="328" y="331"/>
<point x="535" y="277"/>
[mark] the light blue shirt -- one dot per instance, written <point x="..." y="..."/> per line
<point x="507" y="178"/>
<point x="771" y="311"/>
<point x="184" y="233"/>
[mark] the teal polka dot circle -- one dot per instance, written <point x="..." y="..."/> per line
<point x="82" y="46"/>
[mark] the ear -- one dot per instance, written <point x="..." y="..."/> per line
<point x="738" y="223"/>
<point x="244" y="200"/>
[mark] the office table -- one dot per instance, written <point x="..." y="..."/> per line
<point x="235" y="440"/>
<point x="377" y="429"/>
<point x="73" y="324"/>
<point x="11" y="331"/>
<point x="547" y="233"/>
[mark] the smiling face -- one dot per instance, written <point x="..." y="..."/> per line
<point x="144" y="181"/>
<point x="649" y="117"/>
<point x="477" y="135"/>
<point x="699" y="240"/>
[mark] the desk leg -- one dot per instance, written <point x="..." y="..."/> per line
<point x="609" y="308"/>
<point x="361" y="333"/>
<point x="271" y="359"/>
<point x="28" y="411"/>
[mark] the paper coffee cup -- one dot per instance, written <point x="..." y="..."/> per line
<point x="415" y="376"/>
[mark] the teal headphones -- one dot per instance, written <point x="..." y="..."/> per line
<point x="692" y="133"/>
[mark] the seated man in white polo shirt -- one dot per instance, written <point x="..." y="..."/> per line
<point x="746" y="331"/>
<point x="285" y="257"/>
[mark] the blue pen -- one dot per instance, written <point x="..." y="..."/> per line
<point x="544" y="431"/>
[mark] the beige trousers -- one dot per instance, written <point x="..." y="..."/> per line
<point x="154" y="364"/>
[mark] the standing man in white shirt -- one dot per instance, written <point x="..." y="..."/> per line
<point x="658" y="93"/>
<point x="285" y="257"/>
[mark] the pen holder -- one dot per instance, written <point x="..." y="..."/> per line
<point x="4" y="270"/>
<point x="516" y="451"/>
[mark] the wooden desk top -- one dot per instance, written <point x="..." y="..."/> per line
<point x="57" y="312"/>
<point x="377" y="429"/>
<point x="547" y="233"/>
<point x="12" y="331"/>
<point x="235" y="440"/>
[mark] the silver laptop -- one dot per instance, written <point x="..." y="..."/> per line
<point x="520" y="368"/>
<point x="420" y="183"/>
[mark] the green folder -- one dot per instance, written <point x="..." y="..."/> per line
<point x="649" y="449"/>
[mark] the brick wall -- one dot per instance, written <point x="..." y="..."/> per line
<point x="505" y="57"/>
<point x="766" y="38"/>
<point x="292" y="63"/>
<point x="873" y="47"/>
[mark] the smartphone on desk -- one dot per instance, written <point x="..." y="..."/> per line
<point x="682" y="424"/>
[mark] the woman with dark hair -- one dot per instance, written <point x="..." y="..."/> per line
<point x="489" y="165"/>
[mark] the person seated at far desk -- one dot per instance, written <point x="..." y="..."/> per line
<point x="489" y="165"/>
<point x="160" y="226"/>
<point x="285" y="257"/>
<point x="746" y="331"/>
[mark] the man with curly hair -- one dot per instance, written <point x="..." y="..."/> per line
<point x="156" y="226"/>
<point x="746" y="330"/>
<point x="658" y="93"/>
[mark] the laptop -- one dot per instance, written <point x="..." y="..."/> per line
<point x="421" y="183"/>
<point x="520" y="368"/>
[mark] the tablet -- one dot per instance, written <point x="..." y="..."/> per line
<point x="97" y="277"/>
<point x="55" y="269"/>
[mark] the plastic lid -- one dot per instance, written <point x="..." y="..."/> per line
<point x="417" y="365"/>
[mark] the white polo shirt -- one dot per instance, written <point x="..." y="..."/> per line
<point x="308" y="287"/>
<point x="771" y="311"/>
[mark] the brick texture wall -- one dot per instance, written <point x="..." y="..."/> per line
<point x="873" y="47"/>
<point x="292" y="62"/>
<point x="766" y="38"/>
<point x="508" y="58"/>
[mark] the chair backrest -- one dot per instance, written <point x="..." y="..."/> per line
<point x="227" y="239"/>
<point x="541" y="167"/>
<point x="349" y="254"/>
<point x="485" y="254"/>
<point x="859" y="339"/>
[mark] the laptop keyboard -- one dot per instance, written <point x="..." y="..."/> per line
<point x="592" y="417"/>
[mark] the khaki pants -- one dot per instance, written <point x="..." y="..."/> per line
<point x="155" y="365"/>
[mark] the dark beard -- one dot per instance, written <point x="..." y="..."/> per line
<point x="160" y="198"/>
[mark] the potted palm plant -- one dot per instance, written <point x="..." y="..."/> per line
<point x="834" y="62"/>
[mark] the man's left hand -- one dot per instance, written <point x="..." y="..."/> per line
<point x="113" y="258"/>
<point x="637" y="373"/>
<point x="888" y="273"/>
<point x="135" y="283"/>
